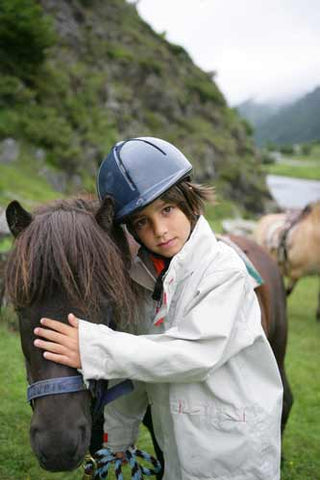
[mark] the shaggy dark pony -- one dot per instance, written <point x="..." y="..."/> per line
<point x="68" y="256"/>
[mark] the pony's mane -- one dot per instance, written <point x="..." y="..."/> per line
<point x="65" y="250"/>
<point x="315" y="211"/>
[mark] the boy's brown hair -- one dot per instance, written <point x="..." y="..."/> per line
<point x="189" y="197"/>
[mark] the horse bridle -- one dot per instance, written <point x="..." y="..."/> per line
<point x="100" y="393"/>
<point x="97" y="388"/>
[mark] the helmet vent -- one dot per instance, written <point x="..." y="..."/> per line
<point x="123" y="169"/>
<point x="152" y="145"/>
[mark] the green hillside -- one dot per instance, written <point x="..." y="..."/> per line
<point x="78" y="75"/>
<point x="297" y="123"/>
<point x="256" y="113"/>
<point x="294" y="123"/>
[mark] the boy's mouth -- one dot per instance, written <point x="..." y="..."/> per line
<point x="166" y="244"/>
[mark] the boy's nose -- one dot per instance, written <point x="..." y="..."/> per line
<point x="159" y="228"/>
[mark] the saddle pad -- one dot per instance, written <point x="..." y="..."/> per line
<point x="255" y="277"/>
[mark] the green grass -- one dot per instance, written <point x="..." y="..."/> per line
<point x="301" y="439"/>
<point x="299" y="166"/>
<point x="314" y="154"/>
<point x="17" y="460"/>
<point x="5" y="244"/>
<point x="302" y="436"/>
<point x="220" y="210"/>
<point x="215" y="214"/>
<point x="309" y="171"/>
<point x="23" y="178"/>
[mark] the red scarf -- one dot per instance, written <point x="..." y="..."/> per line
<point x="158" y="264"/>
<point x="161" y="266"/>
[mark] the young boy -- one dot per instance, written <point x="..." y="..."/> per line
<point x="199" y="355"/>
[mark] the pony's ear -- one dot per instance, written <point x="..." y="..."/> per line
<point x="17" y="218"/>
<point x="105" y="214"/>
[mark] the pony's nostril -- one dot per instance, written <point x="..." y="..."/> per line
<point x="33" y="431"/>
<point x="60" y="452"/>
<point x="34" y="434"/>
<point x="84" y="432"/>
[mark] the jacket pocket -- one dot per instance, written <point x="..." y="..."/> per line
<point x="216" y="443"/>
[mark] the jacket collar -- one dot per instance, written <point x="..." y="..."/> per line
<point x="201" y="247"/>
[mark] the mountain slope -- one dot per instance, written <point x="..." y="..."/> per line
<point x="256" y="113"/>
<point x="298" y="122"/>
<point x="107" y="75"/>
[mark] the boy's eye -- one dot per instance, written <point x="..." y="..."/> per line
<point x="138" y="224"/>
<point x="168" y="209"/>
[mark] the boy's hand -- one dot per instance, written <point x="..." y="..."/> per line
<point x="61" y="342"/>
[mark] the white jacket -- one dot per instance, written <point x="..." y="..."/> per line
<point x="211" y="377"/>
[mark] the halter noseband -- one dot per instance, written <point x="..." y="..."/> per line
<point x="98" y="388"/>
<point x="75" y="383"/>
<point x="54" y="386"/>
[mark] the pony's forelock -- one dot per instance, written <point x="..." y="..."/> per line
<point x="64" y="248"/>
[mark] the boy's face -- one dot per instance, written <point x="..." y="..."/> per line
<point x="162" y="227"/>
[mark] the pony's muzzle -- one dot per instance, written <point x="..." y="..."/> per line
<point x="59" y="450"/>
<point x="60" y="442"/>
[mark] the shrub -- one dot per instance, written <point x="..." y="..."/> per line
<point x="306" y="148"/>
<point x="150" y="65"/>
<point x="118" y="52"/>
<point x="13" y="91"/>
<point x="287" y="149"/>
<point x="25" y="34"/>
<point x="267" y="157"/>
<point x="206" y="90"/>
<point x="44" y="126"/>
<point x="9" y="123"/>
<point x="178" y="50"/>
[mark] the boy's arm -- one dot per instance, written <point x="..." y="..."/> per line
<point x="224" y="318"/>
<point x="122" y="418"/>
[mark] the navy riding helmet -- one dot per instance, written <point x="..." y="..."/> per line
<point x="137" y="171"/>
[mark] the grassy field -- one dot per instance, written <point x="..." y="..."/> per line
<point x="309" y="170"/>
<point x="36" y="189"/>
<point x="298" y="166"/>
<point x="301" y="439"/>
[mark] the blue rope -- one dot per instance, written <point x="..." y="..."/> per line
<point x="105" y="458"/>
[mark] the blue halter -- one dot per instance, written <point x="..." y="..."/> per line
<point x="75" y="383"/>
<point x="54" y="386"/>
<point x="98" y="388"/>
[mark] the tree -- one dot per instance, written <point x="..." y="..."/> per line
<point x="25" y="34"/>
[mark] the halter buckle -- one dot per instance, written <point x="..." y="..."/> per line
<point x="89" y="467"/>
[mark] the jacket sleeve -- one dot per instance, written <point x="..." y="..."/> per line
<point x="122" y="418"/>
<point x="222" y="319"/>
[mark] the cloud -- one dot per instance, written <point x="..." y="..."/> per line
<point x="258" y="48"/>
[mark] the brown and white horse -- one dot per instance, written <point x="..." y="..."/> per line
<point x="293" y="240"/>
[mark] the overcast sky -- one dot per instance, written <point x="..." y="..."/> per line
<point x="261" y="49"/>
